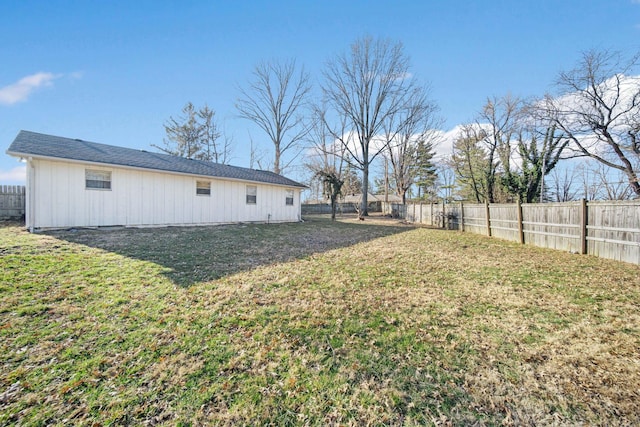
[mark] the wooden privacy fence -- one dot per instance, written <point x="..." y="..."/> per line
<point x="607" y="229"/>
<point x="12" y="201"/>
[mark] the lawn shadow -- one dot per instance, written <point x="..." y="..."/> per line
<point x="203" y="253"/>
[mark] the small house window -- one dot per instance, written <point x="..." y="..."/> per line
<point x="203" y="188"/>
<point x="289" y="199"/>
<point x="96" y="179"/>
<point x="252" y="194"/>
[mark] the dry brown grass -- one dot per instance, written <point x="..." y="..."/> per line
<point x="314" y="324"/>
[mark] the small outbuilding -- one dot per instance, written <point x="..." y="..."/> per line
<point x="76" y="183"/>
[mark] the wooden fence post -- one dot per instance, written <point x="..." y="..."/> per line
<point x="488" y="216"/>
<point x="444" y="214"/>
<point x="520" y="226"/>
<point x="461" y="216"/>
<point x="584" y="219"/>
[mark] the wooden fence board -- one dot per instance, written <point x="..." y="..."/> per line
<point x="12" y="201"/>
<point x="552" y="225"/>
<point x="605" y="229"/>
<point x="614" y="230"/>
<point x="504" y="221"/>
<point x="475" y="220"/>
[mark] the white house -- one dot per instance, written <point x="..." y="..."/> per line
<point x="75" y="183"/>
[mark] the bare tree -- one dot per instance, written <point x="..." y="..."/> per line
<point x="561" y="184"/>
<point x="326" y="159"/>
<point x="499" y="117"/>
<point x="472" y="165"/>
<point x="366" y="86"/>
<point x="211" y="147"/>
<point x="521" y="148"/>
<point x="273" y="101"/>
<point x="195" y="135"/>
<point x="184" y="134"/>
<point x="599" y="182"/>
<point x="445" y="185"/>
<point x="600" y="111"/>
<point x="405" y="131"/>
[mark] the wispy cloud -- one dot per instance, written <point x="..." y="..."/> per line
<point x="17" y="175"/>
<point x="23" y="88"/>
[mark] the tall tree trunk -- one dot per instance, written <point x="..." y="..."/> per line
<point x="276" y="161"/>
<point x="333" y="207"/>
<point x="365" y="191"/>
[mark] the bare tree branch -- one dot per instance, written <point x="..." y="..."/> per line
<point x="367" y="85"/>
<point x="273" y="102"/>
<point x="600" y="111"/>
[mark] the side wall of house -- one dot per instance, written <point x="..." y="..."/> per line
<point x="147" y="198"/>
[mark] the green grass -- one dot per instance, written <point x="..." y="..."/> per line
<point x="318" y="323"/>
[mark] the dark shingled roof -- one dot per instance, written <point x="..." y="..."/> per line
<point x="41" y="145"/>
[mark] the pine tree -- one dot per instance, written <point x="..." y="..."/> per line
<point x="195" y="135"/>
<point x="425" y="172"/>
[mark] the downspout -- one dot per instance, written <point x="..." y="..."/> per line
<point x="29" y="212"/>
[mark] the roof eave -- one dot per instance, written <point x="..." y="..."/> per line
<point x="64" y="159"/>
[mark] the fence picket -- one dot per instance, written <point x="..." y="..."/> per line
<point x="605" y="229"/>
<point x="12" y="201"/>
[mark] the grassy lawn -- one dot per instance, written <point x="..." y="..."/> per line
<point x="317" y="323"/>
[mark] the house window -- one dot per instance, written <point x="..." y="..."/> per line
<point x="289" y="199"/>
<point x="96" y="179"/>
<point x="252" y="194"/>
<point x="203" y="188"/>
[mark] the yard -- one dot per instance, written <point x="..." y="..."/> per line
<point x="317" y="323"/>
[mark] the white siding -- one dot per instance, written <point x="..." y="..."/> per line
<point x="147" y="198"/>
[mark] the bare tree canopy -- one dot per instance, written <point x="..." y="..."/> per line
<point x="599" y="111"/>
<point x="499" y="120"/>
<point x="471" y="164"/>
<point x="195" y="135"/>
<point x="211" y="146"/>
<point x="273" y="101"/>
<point x="528" y="146"/>
<point x="366" y="86"/>
<point x="409" y="136"/>
<point x="326" y="159"/>
<point x="507" y="153"/>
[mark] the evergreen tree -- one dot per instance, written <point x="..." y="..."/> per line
<point x="425" y="171"/>
<point x="195" y="135"/>
<point x="471" y="163"/>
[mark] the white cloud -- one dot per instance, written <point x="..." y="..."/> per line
<point x="20" y="91"/>
<point x="620" y="92"/>
<point x="76" y="75"/>
<point x="445" y="140"/>
<point x="15" y="175"/>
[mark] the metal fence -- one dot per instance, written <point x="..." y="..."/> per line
<point x="608" y="229"/>
<point x="12" y="201"/>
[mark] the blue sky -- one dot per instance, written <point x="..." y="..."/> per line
<point x="114" y="72"/>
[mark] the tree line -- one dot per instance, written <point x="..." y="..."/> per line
<point x="373" y="110"/>
<point x="514" y="144"/>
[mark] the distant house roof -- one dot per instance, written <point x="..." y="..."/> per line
<point x="47" y="146"/>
